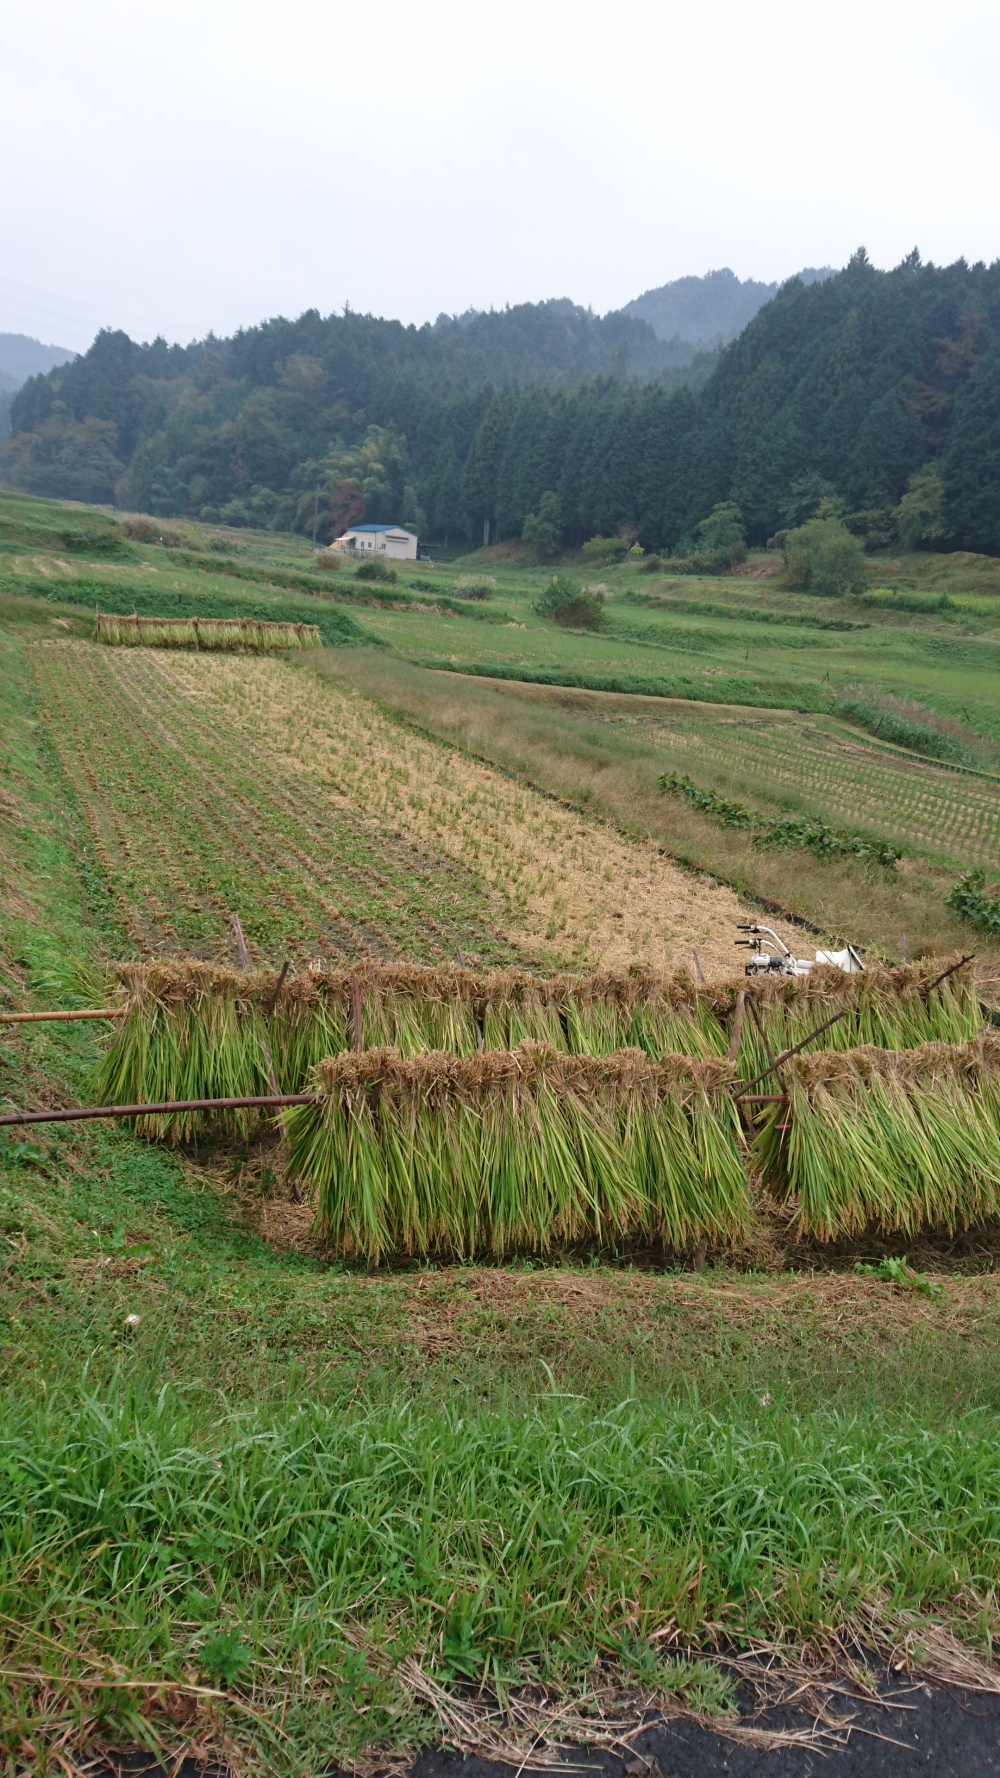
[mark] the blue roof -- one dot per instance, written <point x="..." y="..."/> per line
<point x="376" y="527"/>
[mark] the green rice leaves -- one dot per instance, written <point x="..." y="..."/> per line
<point x="522" y="1150"/>
<point x="900" y="1141"/>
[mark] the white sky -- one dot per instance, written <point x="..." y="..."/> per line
<point x="178" y="166"/>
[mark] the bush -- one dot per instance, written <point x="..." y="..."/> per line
<point x="823" y="557"/>
<point x="475" y="586"/>
<point x="977" y="901"/>
<point x="328" y="561"/>
<point x="375" y="571"/>
<point x="542" y="530"/>
<point x="720" y="539"/>
<point x="652" y="565"/>
<point x="569" y="604"/>
<point x="920" y="514"/>
<point x="605" y="549"/>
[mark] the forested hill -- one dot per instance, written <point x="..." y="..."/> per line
<point x="843" y="387"/>
<point x="710" y="310"/>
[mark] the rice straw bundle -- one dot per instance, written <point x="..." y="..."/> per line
<point x="503" y="1151"/>
<point x="203" y="632"/>
<point x="198" y="1030"/>
<point x="892" y="1009"/>
<point x="899" y="1140"/>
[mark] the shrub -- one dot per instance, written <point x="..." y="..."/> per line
<point x="475" y="586"/>
<point x="652" y="565"/>
<point x="720" y="538"/>
<point x="823" y="557"/>
<point x="328" y="561"/>
<point x="375" y="571"/>
<point x="604" y="549"/>
<point x="977" y="901"/>
<point x="920" y="514"/>
<point x="574" y="606"/>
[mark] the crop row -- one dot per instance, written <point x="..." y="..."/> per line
<point x="916" y="804"/>
<point x="192" y="823"/>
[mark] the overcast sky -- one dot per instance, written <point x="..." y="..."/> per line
<point x="180" y="166"/>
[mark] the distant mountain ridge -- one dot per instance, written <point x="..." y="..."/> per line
<point x="710" y="310"/>
<point x="22" y="357"/>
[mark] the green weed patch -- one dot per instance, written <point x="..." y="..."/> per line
<point x="808" y="831"/>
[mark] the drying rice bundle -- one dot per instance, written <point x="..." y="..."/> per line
<point x="203" y="632"/>
<point x="518" y="1150"/>
<point x="197" y="1030"/>
<point x="899" y="1140"/>
<point x="893" y="1009"/>
<point x="189" y="1032"/>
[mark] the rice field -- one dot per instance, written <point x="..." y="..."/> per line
<point x="821" y="767"/>
<point x="221" y="784"/>
<point x="192" y="822"/>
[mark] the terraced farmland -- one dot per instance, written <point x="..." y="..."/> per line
<point x="852" y="783"/>
<point x="215" y="785"/>
<point x="191" y="824"/>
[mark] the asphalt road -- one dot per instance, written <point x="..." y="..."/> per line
<point x="950" y="1734"/>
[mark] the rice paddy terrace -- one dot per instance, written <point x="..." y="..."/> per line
<point x="567" y="1332"/>
<point x="214" y="786"/>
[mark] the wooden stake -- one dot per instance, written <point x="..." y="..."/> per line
<point x="697" y="964"/>
<point x="741" y="1002"/>
<point x="241" y="942"/>
<point x="356" y="1010"/>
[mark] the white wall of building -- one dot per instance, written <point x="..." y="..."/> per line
<point x="394" y="542"/>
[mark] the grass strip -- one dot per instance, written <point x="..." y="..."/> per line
<point x="770" y="694"/>
<point x="124" y="599"/>
<point x="300" y="1563"/>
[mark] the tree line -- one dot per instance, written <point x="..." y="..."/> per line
<point x="844" y="392"/>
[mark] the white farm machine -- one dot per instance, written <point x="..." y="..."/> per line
<point x="769" y="955"/>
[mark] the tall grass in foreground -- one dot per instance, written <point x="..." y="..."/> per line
<point x="195" y="1030"/>
<point x="203" y="632"/>
<point x="522" y="1150"/>
<point x="899" y="1140"/>
<point x="322" y="1561"/>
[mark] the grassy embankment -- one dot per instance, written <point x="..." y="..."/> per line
<point x="321" y="1492"/>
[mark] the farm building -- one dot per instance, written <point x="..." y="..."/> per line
<point x="387" y="540"/>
